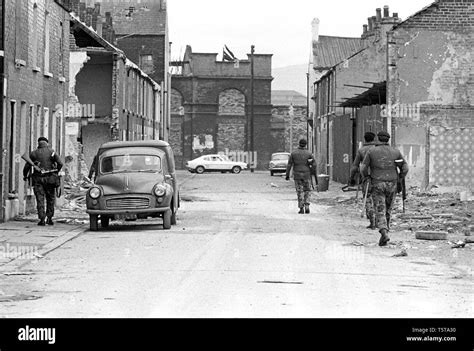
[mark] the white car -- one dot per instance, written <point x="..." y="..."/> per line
<point x="214" y="163"/>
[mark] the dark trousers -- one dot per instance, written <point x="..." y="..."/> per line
<point x="44" y="192"/>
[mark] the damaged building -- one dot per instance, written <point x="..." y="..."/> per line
<point x="211" y="109"/>
<point x="110" y="99"/>
<point x="412" y="78"/>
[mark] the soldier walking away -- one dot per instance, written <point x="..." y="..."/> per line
<point x="381" y="164"/>
<point x="301" y="160"/>
<point x="369" y="138"/>
<point x="43" y="165"/>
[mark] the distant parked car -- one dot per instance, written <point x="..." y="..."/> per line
<point x="215" y="163"/>
<point x="135" y="180"/>
<point x="278" y="162"/>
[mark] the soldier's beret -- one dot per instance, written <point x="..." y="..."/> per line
<point x="383" y="134"/>
<point x="43" y="139"/>
<point x="303" y="143"/>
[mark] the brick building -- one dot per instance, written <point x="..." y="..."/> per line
<point x="412" y="78"/>
<point x="110" y="99"/>
<point x="141" y="31"/>
<point x="210" y="103"/>
<point x="35" y="68"/>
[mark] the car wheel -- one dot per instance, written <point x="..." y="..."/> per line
<point x="104" y="221"/>
<point x="236" y="170"/>
<point x="167" y="220"/>
<point x="271" y="173"/>
<point x="200" y="170"/>
<point x="94" y="223"/>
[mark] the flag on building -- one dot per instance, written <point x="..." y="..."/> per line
<point x="228" y="55"/>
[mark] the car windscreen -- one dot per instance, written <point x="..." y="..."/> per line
<point x="280" y="157"/>
<point x="131" y="163"/>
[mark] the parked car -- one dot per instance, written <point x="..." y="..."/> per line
<point x="278" y="162"/>
<point x="215" y="163"/>
<point x="134" y="180"/>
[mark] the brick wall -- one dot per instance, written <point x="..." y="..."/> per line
<point x="154" y="45"/>
<point x="24" y="39"/>
<point x="201" y="104"/>
<point x="430" y="67"/>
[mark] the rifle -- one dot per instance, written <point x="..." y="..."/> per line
<point x="401" y="186"/>
<point x="313" y="173"/>
<point x="365" y="199"/>
<point x="404" y="193"/>
<point x="28" y="160"/>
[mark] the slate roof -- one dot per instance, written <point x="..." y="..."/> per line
<point x="330" y="51"/>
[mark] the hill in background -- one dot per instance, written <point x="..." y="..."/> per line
<point x="290" y="78"/>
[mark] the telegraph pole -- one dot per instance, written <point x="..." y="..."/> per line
<point x="252" y="92"/>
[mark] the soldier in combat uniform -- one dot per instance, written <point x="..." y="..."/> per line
<point x="300" y="160"/>
<point x="46" y="163"/>
<point x="381" y="164"/>
<point x="355" y="169"/>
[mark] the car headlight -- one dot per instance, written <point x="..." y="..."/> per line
<point x="94" y="193"/>
<point x="272" y="164"/>
<point x="159" y="190"/>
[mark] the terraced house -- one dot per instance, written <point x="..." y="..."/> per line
<point x="35" y="74"/>
<point x="412" y="78"/>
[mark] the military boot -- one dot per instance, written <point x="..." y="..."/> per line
<point x="41" y="222"/>
<point x="384" y="238"/>
<point x="301" y="211"/>
<point x="49" y="221"/>
<point x="306" y="209"/>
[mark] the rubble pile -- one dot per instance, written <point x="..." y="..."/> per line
<point x="73" y="210"/>
<point x="432" y="212"/>
<point x="75" y="195"/>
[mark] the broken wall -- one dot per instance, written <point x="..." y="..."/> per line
<point x="430" y="89"/>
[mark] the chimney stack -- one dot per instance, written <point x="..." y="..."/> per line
<point x="371" y="25"/>
<point x="395" y="15"/>
<point x="99" y="25"/>
<point x="379" y="14"/>
<point x="386" y="12"/>
<point x="315" y="29"/>
<point x="365" y="28"/>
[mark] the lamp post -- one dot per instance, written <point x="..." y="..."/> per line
<point x="252" y="92"/>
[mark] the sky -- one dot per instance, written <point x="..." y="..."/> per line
<point x="281" y="28"/>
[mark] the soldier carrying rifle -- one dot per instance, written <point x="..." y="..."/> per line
<point x="366" y="186"/>
<point x="43" y="166"/>
<point x="381" y="164"/>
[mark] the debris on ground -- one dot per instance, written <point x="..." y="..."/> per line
<point x="402" y="253"/>
<point x="431" y="235"/>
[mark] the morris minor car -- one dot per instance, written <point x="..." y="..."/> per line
<point x="134" y="180"/>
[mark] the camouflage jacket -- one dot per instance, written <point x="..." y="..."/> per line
<point x="299" y="161"/>
<point x="380" y="163"/>
<point x="359" y="158"/>
<point x="45" y="158"/>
